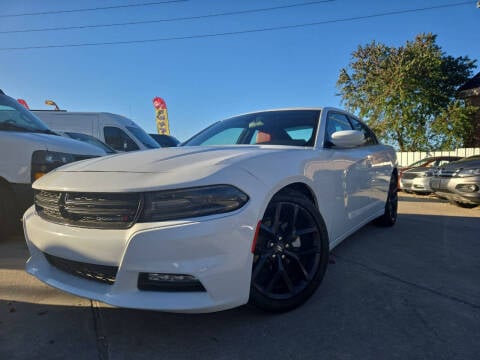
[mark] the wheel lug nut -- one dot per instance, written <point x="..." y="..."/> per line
<point x="287" y="245"/>
<point x="283" y="256"/>
<point x="274" y="256"/>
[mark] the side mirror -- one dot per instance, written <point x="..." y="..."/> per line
<point x="348" y="138"/>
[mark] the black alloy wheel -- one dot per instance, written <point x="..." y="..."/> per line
<point x="389" y="217"/>
<point x="291" y="253"/>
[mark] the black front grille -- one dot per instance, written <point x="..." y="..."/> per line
<point x="101" y="273"/>
<point x="93" y="210"/>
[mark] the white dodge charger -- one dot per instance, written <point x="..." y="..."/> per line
<point x="246" y="211"/>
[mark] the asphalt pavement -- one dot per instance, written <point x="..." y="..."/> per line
<point x="407" y="292"/>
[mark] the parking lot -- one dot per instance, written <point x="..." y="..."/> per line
<point x="407" y="292"/>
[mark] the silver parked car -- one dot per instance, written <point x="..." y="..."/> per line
<point x="416" y="178"/>
<point x="459" y="182"/>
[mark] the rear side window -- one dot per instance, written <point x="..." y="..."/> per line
<point x="118" y="139"/>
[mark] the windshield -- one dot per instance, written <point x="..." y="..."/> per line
<point x="281" y="127"/>
<point x="421" y="162"/>
<point x="91" y="140"/>
<point x="470" y="158"/>
<point x="14" y="117"/>
<point x="143" y="137"/>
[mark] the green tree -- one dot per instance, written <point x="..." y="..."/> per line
<point x="407" y="94"/>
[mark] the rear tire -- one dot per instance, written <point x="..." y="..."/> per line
<point x="389" y="217"/>
<point x="463" y="205"/>
<point x="291" y="254"/>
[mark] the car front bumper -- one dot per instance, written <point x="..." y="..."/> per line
<point x="215" y="251"/>
<point x="418" y="185"/>
<point x="449" y="188"/>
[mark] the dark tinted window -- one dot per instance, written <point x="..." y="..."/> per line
<point x="165" y="140"/>
<point x="91" y="140"/>
<point x="144" y="138"/>
<point x="118" y="139"/>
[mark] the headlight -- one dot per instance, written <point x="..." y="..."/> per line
<point x="467" y="188"/>
<point x="44" y="161"/>
<point x="191" y="202"/>
<point x="468" y="172"/>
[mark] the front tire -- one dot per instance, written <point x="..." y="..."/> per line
<point x="291" y="254"/>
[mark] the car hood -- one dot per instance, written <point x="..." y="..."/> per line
<point x="161" y="168"/>
<point x="419" y="169"/>
<point x="170" y="159"/>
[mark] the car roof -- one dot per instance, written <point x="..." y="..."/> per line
<point x="322" y="108"/>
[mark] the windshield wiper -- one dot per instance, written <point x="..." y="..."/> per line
<point x="12" y="127"/>
<point x="46" y="131"/>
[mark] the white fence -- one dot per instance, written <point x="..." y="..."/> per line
<point x="407" y="157"/>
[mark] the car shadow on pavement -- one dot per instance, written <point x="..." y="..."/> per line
<point x="420" y="198"/>
<point x="13" y="252"/>
<point x="39" y="331"/>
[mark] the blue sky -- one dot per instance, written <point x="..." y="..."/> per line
<point x="206" y="79"/>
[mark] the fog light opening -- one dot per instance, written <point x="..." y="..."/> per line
<point x="168" y="282"/>
<point x="467" y="188"/>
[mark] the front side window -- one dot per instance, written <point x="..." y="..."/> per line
<point x="118" y="139"/>
<point x="280" y="127"/>
<point x="335" y="122"/>
<point x="91" y="140"/>
<point x="370" y="138"/>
